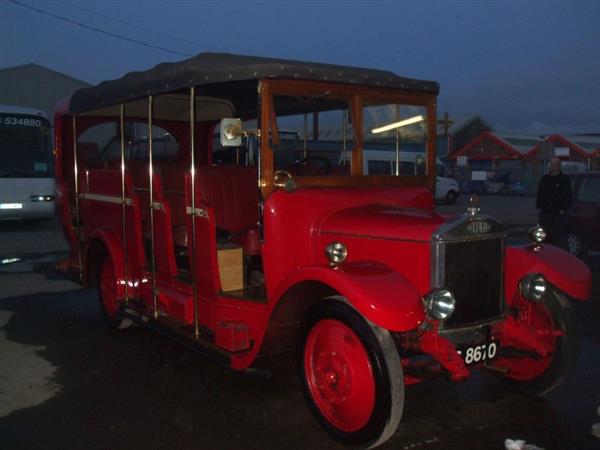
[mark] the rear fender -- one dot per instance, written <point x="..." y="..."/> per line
<point x="380" y="294"/>
<point x="561" y="269"/>
<point x="105" y="242"/>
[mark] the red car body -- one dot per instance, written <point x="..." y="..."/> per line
<point x="150" y="233"/>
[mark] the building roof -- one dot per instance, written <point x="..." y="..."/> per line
<point x="516" y="145"/>
<point x="459" y="123"/>
<point x="585" y="144"/>
<point x="523" y="144"/>
<point x="529" y="145"/>
<point x="33" y="66"/>
<point x="216" y="68"/>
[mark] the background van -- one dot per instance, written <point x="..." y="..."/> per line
<point x="383" y="162"/>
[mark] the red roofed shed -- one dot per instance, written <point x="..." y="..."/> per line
<point x="499" y="158"/>
<point x="582" y="149"/>
<point x="498" y="146"/>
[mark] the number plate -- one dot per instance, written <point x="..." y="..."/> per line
<point x="479" y="353"/>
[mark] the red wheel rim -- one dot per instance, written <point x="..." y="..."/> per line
<point x="339" y="375"/>
<point x="108" y="287"/>
<point x="541" y="322"/>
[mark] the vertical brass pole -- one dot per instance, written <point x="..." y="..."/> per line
<point x="397" y="151"/>
<point x="305" y="153"/>
<point x="344" y="141"/>
<point x="258" y="157"/>
<point x="398" y="142"/>
<point x="77" y="221"/>
<point x="193" y="198"/>
<point x="123" y="205"/>
<point x="151" y="190"/>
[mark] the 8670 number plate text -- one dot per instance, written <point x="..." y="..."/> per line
<point x="479" y="353"/>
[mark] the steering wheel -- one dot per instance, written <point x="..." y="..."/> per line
<point x="305" y="167"/>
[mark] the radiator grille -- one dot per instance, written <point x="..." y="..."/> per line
<point x="473" y="271"/>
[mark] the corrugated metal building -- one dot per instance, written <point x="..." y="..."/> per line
<point x="496" y="147"/>
<point x="501" y="157"/>
<point x="578" y="152"/>
<point x="35" y="86"/>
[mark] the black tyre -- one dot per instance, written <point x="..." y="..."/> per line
<point x="553" y="320"/>
<point x="351" y="373"/>
<point x="451" y="197"/>
<point x="577" y="245"/>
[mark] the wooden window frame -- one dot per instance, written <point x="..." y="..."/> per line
<point x="355" y="96"/>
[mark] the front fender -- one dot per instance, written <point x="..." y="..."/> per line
<point x="380" y="294"/>
<point x="562" y="269"/>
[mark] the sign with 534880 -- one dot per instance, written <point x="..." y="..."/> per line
<point x="20" y="121"/>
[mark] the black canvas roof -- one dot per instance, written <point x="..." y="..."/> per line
<point x="217" y="68"/>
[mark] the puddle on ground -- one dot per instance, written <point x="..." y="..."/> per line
<point x="30" y="273"/>
<point x="26" y="377"/>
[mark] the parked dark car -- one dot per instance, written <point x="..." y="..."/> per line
<point x="584" y="214"/>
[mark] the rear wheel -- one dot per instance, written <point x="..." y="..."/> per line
<point x="107" y="289"/>
<point x="553" y="320"/>
<point x="352" y="375"/>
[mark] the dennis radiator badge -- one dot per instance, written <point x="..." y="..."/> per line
<point x="479" y="227"/>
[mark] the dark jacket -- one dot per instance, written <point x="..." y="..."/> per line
<point x="554" y="193"/>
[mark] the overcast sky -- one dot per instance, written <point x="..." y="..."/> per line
<point x="526" y="66"/>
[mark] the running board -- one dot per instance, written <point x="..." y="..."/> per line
<point x="200" y="346"/>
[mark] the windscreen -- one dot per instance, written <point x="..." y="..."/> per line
<point x="318" y="141"/>
<point x="316" y="136"/>
<point x="395" y="139"/>
<point x="25" y="146"/>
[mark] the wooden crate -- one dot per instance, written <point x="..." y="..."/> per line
<point x="231" y="267"/>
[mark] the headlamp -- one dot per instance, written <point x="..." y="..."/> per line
<point x="533" y="287"/>
<point x="439" y="304"/>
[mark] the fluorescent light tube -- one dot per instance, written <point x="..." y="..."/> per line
<point x="400" y="124"/>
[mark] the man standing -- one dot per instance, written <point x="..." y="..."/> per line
<point x="553" y="200"/>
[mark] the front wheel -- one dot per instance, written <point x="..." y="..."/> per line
<point x="352" y="375"/>
<point x="554" y="321"/>
<point x="576" y="245"/>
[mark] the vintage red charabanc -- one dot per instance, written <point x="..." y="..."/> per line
<point x="222" y="199"/>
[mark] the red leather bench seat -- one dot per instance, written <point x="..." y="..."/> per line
<point x="230" y="190"/>
<point x="233" y="193"/>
